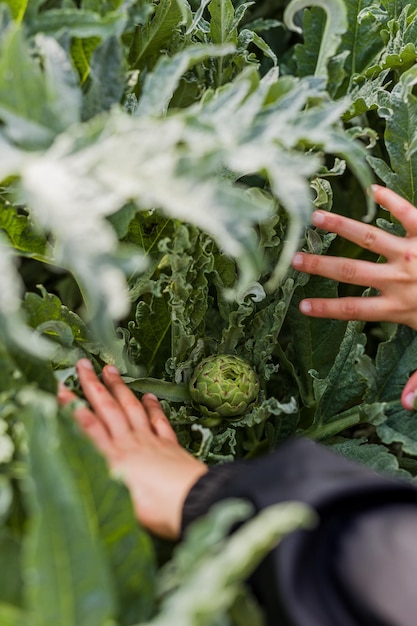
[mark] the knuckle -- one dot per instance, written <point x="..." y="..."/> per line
<point x="312" y="263"/>
<point x="349" y="309"/>
<point x="369" y="239"/>
<point x="347" y="271"/>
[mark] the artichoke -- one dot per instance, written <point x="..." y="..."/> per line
<point x="223" y="386"/>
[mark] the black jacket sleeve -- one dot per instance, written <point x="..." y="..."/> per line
<point x="312" y="577"/>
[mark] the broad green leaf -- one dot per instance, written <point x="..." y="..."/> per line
<point x="127" y="546"/>
<point x="66" y="577"/>
<point x="315" y="342"/>
<point x="343" y="385"/>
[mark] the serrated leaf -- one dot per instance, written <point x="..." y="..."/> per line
<point x="399" y="110"/>
<point x="373" y="455"/>
<point x="395" y="360"/>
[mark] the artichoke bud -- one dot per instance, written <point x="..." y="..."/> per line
<point x="223" y="386"/>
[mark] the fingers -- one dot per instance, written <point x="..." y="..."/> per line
<point x="132" y="407"/>
<point x="159" y="422"/>
<point x="372" y="309"/>
<point x="87" y="421"/>
<point x="115" y="408"/>
<point x="364" y="235"/>
<point x="351" y="271"/>
<point x="400" y="208"/>
<point x="409" y="393"/>
<point x="104" y="405"/>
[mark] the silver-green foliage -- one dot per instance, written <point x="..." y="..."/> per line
<point x="166" y="159"/>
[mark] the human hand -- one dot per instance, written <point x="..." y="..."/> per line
<point x="396" y="280"/>
<point x="139" y="445"/>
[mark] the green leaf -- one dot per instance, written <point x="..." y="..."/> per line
<point x="127" y="546"/>
<point x="399" y="110"/>
<point x="373" y="455"/>
<point x="222" y="24"/>
<point x="18" y="8"/>
<point x="336" y="25"/>
<point x="12" y="616"/>
<point x="344" y="385"/>
<point x="80" y="23"/>
<point x="35" y="103"/>
<point x="151" y="38"/>
<point x="66" y="577"/>
<point x="25" y="237"/>
<point x="152" y="331"/>
<point x="315" y="342"/>
<point x="10" y="577"/>
<point x="218" y="573"/>
<point x="362" y="38"/>
<point x="44" y="308"/>
<point x="395" y="360"/>
<point x="106" y="78"/>
<point x="161" y="83"/>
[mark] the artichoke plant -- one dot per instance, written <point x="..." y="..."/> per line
<point x="223" y="386"/>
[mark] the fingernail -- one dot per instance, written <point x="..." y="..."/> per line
<point x="305" y="306"/>
<point x="298" y="260"/>
<point x="151" y="396"/>
<point x="409" y="401"/>
<point x="112" y="369"/>
<point x="86" y="364"/>
<point x="318" y="218"/>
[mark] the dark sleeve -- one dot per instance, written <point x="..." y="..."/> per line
<point x="304" y="581"/>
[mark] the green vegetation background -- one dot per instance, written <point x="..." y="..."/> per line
<point x="159" y="164"/>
